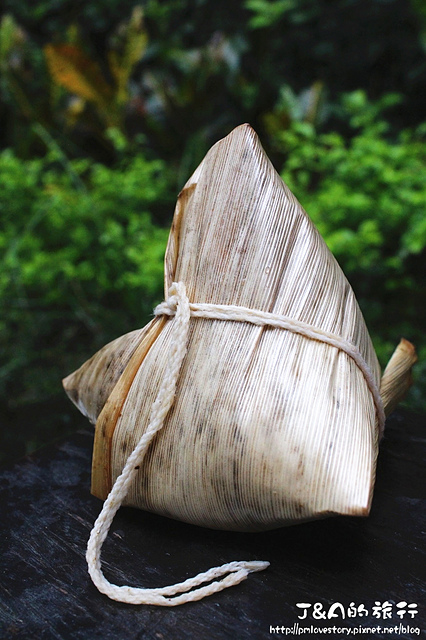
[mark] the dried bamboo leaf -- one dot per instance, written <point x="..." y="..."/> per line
<point x="90" y="386"/>
<point x="397" y="378"/>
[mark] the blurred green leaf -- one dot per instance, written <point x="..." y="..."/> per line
<point x="267" y="12"/>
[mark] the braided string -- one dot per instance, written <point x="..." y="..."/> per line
<point x="231" y="573"/>
<point x="234" y="572"/>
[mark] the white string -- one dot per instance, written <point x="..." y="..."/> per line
<point x="263" y="318"/>
<point x="179" y="306"/>
<point x="234" y="572"/>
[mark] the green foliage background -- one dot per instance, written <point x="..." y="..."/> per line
<point x="107" y="109"/>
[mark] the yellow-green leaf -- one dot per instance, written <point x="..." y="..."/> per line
<point x="72" y="69"/>
<point x="133" y="46"/>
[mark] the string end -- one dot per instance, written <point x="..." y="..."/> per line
<point x="256" y="565"/>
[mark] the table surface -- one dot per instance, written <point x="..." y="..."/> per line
<point x="45" y="592"/>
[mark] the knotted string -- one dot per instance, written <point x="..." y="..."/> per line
<point x="234" y="572"/>
<point x="179" y="306"/>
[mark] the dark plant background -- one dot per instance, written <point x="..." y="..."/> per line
<point x="105" y="110"/>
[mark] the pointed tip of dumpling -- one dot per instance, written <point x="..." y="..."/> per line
<point x="71" y="389"/>
<point x="353" y="491"/>
<point x="90" y="386"/>
<point x="241" y="136"/>
<point x="397" y="377"/>
<point x="245" y="128"/>
<point x="360" y="508"/>
<point x="76" y="387"/>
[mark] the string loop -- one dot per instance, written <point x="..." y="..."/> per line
<point x="232" y="573"/>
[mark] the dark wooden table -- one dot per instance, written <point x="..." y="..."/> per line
<point x="45" y="591"/>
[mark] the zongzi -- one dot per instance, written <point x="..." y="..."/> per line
<point x="273" y="412"/>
